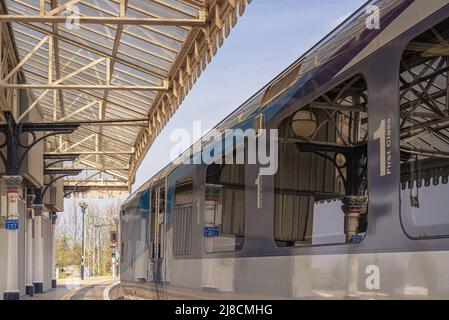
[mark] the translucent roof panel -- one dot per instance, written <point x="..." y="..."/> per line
<point x="118" y="68"/>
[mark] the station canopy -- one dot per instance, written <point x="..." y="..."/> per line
<point x="119" y="68"/>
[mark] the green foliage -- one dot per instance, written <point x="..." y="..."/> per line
<point x="68" y="254"/>
<point x="100" y="220"/>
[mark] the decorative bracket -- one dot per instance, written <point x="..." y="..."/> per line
<point x="355" y="162"/>
<point x="16" y="150"/>
<point x="68" y="190"/>
<point x="58" y="158"/>
<point x="57" y="174"/>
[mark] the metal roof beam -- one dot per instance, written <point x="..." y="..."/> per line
<point x="112" y="152"/>
<point x="82" y="87"/>
<point x="200" y="22"/>
<point x="99" y="168"/>
<point x="68" y="156"/>
<point x="108" y="122"/>
<point x="72" y="172"/>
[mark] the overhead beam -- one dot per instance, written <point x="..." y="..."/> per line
<point x="81" y="189"/>
<point x="100" y="168"/>
<point x="56" y="54"/>
<point x="200" y="22"/>
<point x="87" y="188"/>
<point x="61" y="156"/>
<point x="74" y="113"/>
<point x="112" y="122"/>
<point x="57" y="171"/>
<point x="425" y="152"/>
<point x="62" y="7"/>
<point x="78" y="143"/>
<point x="25" y="59"/>
<point x="95" y="184"/>
<point x="112" y="152"/>
<point x="109" y="71"/>
<point x="81" y="87"/>
<point x="336" y="106"/>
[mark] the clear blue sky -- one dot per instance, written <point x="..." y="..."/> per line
<point x="267" y="38"/>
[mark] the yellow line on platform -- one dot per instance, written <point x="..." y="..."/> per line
<point x="70" y="294"/>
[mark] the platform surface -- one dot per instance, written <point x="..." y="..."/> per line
<point x="77" y="289"/>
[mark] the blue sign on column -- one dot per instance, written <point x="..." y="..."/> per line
<point x="12" y="224"/>
<point x="211" y="232"/>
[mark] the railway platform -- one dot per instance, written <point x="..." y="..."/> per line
<point x="95" y="288"/>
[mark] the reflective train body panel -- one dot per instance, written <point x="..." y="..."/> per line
<point x="208" y="232"/>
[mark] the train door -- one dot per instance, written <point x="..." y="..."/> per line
<point x="157" y="230"/>
<point x="182" y="224"/>
<point x="151" y="231"/>
<point x="259" y="175"/>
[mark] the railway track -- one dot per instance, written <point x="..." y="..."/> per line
<point x="92" y="291"/>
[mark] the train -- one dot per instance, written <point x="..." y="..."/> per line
<point x="357" y="206"/>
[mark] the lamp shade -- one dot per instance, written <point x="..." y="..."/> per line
<point x="83" y="205"/>
<point x="304" y="123"/>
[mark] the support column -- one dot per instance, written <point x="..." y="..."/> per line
<point x="29" y="246"/>
<point x="353" y="207"/>
<point x="38" y="277"/>
<point x="113" y="266"/>
<point x="16" y="153"/>
<point x="13" y="185"/>
<point x="53" y="250"/>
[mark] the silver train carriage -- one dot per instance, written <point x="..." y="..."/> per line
<point x="358" y="206"/>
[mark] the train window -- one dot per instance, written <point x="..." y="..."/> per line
<point x="224" y="209"/>
<point x="321" y="191"/>
<point x="424" y="134"/>
<point x="182" y="218"/>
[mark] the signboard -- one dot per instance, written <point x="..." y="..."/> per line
<point x="356" y="238"/>
<point x="12" y="224"/>
<point x="211" y="232"/>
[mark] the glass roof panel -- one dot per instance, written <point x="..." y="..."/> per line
<point x="108" y="68"/>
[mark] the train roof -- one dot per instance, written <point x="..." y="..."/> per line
<point x="329" y="51"/>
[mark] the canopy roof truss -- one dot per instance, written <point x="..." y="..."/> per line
<point x="424" y="107"/>
<point x="120" y="68"/>
<point x="424" y="96"/>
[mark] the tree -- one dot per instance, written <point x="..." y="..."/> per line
<point x="101" y="218"/>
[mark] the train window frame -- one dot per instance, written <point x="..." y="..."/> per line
<point x="285" y="81"/>
<point x="411" y="180"/>
<point x="161" y="237"/>
<point x="366" y="214"/>
<point x="188" y="181"/>
<point x="204" y="208"/>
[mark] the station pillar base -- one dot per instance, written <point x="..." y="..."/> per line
<point x="29" y="290"/>
<point x="38" y="287"/>
<point x="11" y="295"/>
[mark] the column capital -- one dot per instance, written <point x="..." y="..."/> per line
<point x="30" y="200"/>
<point x="38" y="209"/>
<point x="353" y="207"/>
<point x="12" y="182"/>
<point x="354" y="202"/>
